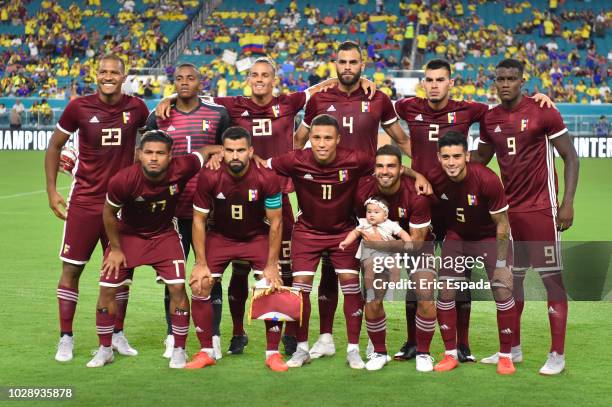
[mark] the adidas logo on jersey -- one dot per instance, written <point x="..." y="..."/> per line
<point x="419" y="117"/>
<point x="497" y="129"/>
<point x="444" y="327"/>
<point x="551" y="310"/>
<point x="506" y="331"/>
<point x="275" y="328"/>
<point x="139" y="199"/>
<point x="94" y="120"/>
<point x="170" y="128"/>
<point x="444" y="197"/>
<point x="244" y="114"/>
<point x="331" y="108"/>
<point x="308" y="176"/>
<point x="220" y="195"/>
<point x="198" y="329"/>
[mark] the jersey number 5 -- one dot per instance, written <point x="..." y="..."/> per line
<point x="262" y="127"/>
<point x="111" y="137"/>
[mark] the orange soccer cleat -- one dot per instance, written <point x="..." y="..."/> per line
<point x="200" y="360"/>
<point x="505" y="365"/>
<point x="446" y="364"/>
<point x="276" y="363"/>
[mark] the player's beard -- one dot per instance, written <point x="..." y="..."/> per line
<point x="236" y="166"/>
<point x="350" y="82"/>
<point x="154" y="173"/>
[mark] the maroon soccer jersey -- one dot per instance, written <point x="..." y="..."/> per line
<point x="405" y="206"/>
<point x="107" y="140"/>
<point x="359" y="118"/>
<point x="326" y="194"/>
<point x="148" y="208"/>
<point x="469" y="204"/>
<point x="237" y="204"/>
<point x="271" y="125"/>
<point x="427" y="125"/>
<point x="521" y="139"/>
<point x="190" y="132"/>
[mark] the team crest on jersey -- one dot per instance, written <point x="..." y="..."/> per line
<point x="524" y="123"/>
<point x="365" y="107"/>
<point x="343" y="175"/>
<point x="126" y="117"/>
<point x="173" y="189"/>
<point x="276" y="110"/>
<point x="205" y="125"/>
<point x="402" y="213"/>
<point x="452" y="117"/>
<point x="472" y="200"/>
<point x="253" y="195"/>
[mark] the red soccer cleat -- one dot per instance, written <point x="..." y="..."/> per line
<point x="505" y="365"/>
<point x="446" y="364"/>
<point x="276" y="363"/>
<point x="200" y="360"/>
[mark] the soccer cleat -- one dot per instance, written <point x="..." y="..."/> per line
<point x="237" y="344"/>
<point x="353" y="358"/>
<point x="424" y="362"/>
<point x="290" y="344"/>
<point x="464" y="354"/>
<point x="299" y="358"/>
<point x="555" y="364"/>
<point x="169" y="344"/>
<point x="64" y="349"/>
<point x="276" y="363"/>
<point x="377" y="361"/>
<point x="446" y="364"/>
<point x="178" y="359"/>
<point x="323" y="347"/>
<point x="369" y="349"/>
<point x="407" y="352"/>
<point x="103" y="356"/>
<point x="121" y="345"/>
<point x="517" y="356"/>
<point x="200" y="360"/>
<point x="505" y="365"/>
<point x="217" y="353"/>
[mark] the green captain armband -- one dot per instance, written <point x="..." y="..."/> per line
<point x="274" y="201"/>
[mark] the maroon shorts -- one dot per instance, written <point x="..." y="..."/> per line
<point x="220" y="251"/>
<point x="307" y="248"/>
<point x="83" y="229"/>
<point x="458" y="257"/>
<point x="536" y="242"/>
<point x="164" y="253"/>
<point x="288" y="221"/>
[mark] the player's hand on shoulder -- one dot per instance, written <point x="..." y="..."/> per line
<point x="162" y="110"/>
<point x="565" y="217"/>
<point x="544" y="100"/>
<point x="422" y="185"/>
<point x="260" y="162"/>
<point x="113" y="263"/>
<point x="368" y="87"/>
<point x="57" y="203"/>
<point x="214" y="161"/>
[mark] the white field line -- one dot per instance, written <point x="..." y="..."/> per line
<point x="40" y="191"/>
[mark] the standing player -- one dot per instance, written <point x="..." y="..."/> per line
<point x="192" y="124"/>
<point x="325" y="179"/>
<point x="473" y="200"/>
<point x="107" y="123"/>
<point x="246" y="225"/>
<point x="359" y="119"/>
<point x="412" y="211"/>
<point x="147" y="194"/>
<point x="428" y="119"/>
<point x="522" y="135"/>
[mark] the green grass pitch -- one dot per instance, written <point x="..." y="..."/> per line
<point x="30" y="268"/>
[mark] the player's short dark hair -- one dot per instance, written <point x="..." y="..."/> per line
<point x="325" y="120"/>
<point x="114" y="57"/>
<point x="390" y="149"/>
<point x="265" y="60"/>
<point x="452" y="138"/>
<point x="512" y="63"/>
<point x="438" y="64"/>
<point x="187" y="65"/>
<point x="236" y="133"/>
<point x="156" y="136"/>
<point x="349" y="45"/>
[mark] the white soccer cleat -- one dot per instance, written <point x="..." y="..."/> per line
<point x="169" y="344"/>
<point x="369" y="349"/>
<point x="121" y="345"/>
<point x="323" y="347"/>
<point x="377" y="361"/>
<point x="64" y="349"/>
<point x="178" y="359"/>
<point x="517" y="356"/>
<point x="424" y="363"/>
<point x="353" y="358"/>
<point x="104" y="355"/>
<point x="299" y="358"/>
<point x="217" y="352"/>
<point x="555" y="364"/>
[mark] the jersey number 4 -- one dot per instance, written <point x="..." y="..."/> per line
<point x="111" y="137"/>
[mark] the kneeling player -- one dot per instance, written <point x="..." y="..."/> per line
<point x="478" y="232"/>
<point x="246" y="225"/>
<point x="147" y="194"/>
